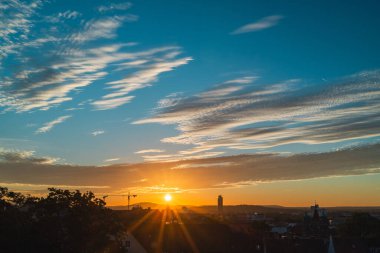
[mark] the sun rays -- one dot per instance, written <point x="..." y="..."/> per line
<point x="171" y="230"/>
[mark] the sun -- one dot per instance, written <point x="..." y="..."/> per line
<point x="168" y="197"/>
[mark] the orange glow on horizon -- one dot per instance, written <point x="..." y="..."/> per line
<point x="328" y="192"/>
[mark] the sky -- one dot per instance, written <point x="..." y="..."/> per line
<point x="264" y="102"/>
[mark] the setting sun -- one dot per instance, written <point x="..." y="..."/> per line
<point x="168" y="197"/>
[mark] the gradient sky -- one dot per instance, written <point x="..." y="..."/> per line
<point x="265" y="102"/>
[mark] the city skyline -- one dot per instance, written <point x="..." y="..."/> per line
<point x="263" y="103"/>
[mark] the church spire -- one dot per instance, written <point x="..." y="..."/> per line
<point x="331" y="246"/>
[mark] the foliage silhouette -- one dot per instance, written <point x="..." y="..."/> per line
<point x="64" y="221"/>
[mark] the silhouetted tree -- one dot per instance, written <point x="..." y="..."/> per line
<point x="64" y="221"/>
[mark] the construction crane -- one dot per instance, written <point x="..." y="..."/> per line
<point x="129" y="195"/>
<point x="129" y="198"/>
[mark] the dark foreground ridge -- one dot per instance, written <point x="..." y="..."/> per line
<point x="73" y="222"/>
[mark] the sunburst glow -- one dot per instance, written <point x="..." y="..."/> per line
<point x="168" y="197"/>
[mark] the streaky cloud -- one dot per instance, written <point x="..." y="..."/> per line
<point x="205" y="173"/>
<point x="56" y="62"/>
<point x="144" y="151"/>
<point x="49" y="125"/>
<point x="111" y="103"/>
<point x="261" y="24"/>
<point x="115" y="7"/>
<point x="109" y="160"/>
<point x="258" y="116"/>
<point x="97" y="132"/>
<point x="17" y="156"/>
<point x="150" y="65"/>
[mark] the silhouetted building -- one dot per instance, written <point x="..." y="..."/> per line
<point x="316" y="222"/>
<point x="315" y="210"/>
<point x="220" y="205"/>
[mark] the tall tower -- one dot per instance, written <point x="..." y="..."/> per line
<point x="220" y="205"/>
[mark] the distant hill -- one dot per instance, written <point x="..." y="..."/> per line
<point x="246" y="209"/>
<point x="250" y="208"/>
<point x="213" y="209"/>
<point x="143" y="205"/>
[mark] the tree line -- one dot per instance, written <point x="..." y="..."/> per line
<point x="62" y="222"/>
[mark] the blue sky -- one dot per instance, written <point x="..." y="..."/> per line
<point x="105" y="82"/>
<point x="149" y="50"/>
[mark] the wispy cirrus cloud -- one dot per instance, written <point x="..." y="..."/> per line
<point x="169" y="101"/>
<point x="149" y="65"/>
<point x="16" y="23"/>
<point x="97" y="132"/>
<point x="261" y="24"/>
<point x="145" y="151"/>
<point x="109" y="160"/>
<point x="62" y="16"/>
<point x="115" y="7"/>
<point x="257" y="116"/>
<point x="56" y="62"/>
<point x="49" y="125"/>
<point x="53" y="61"/>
